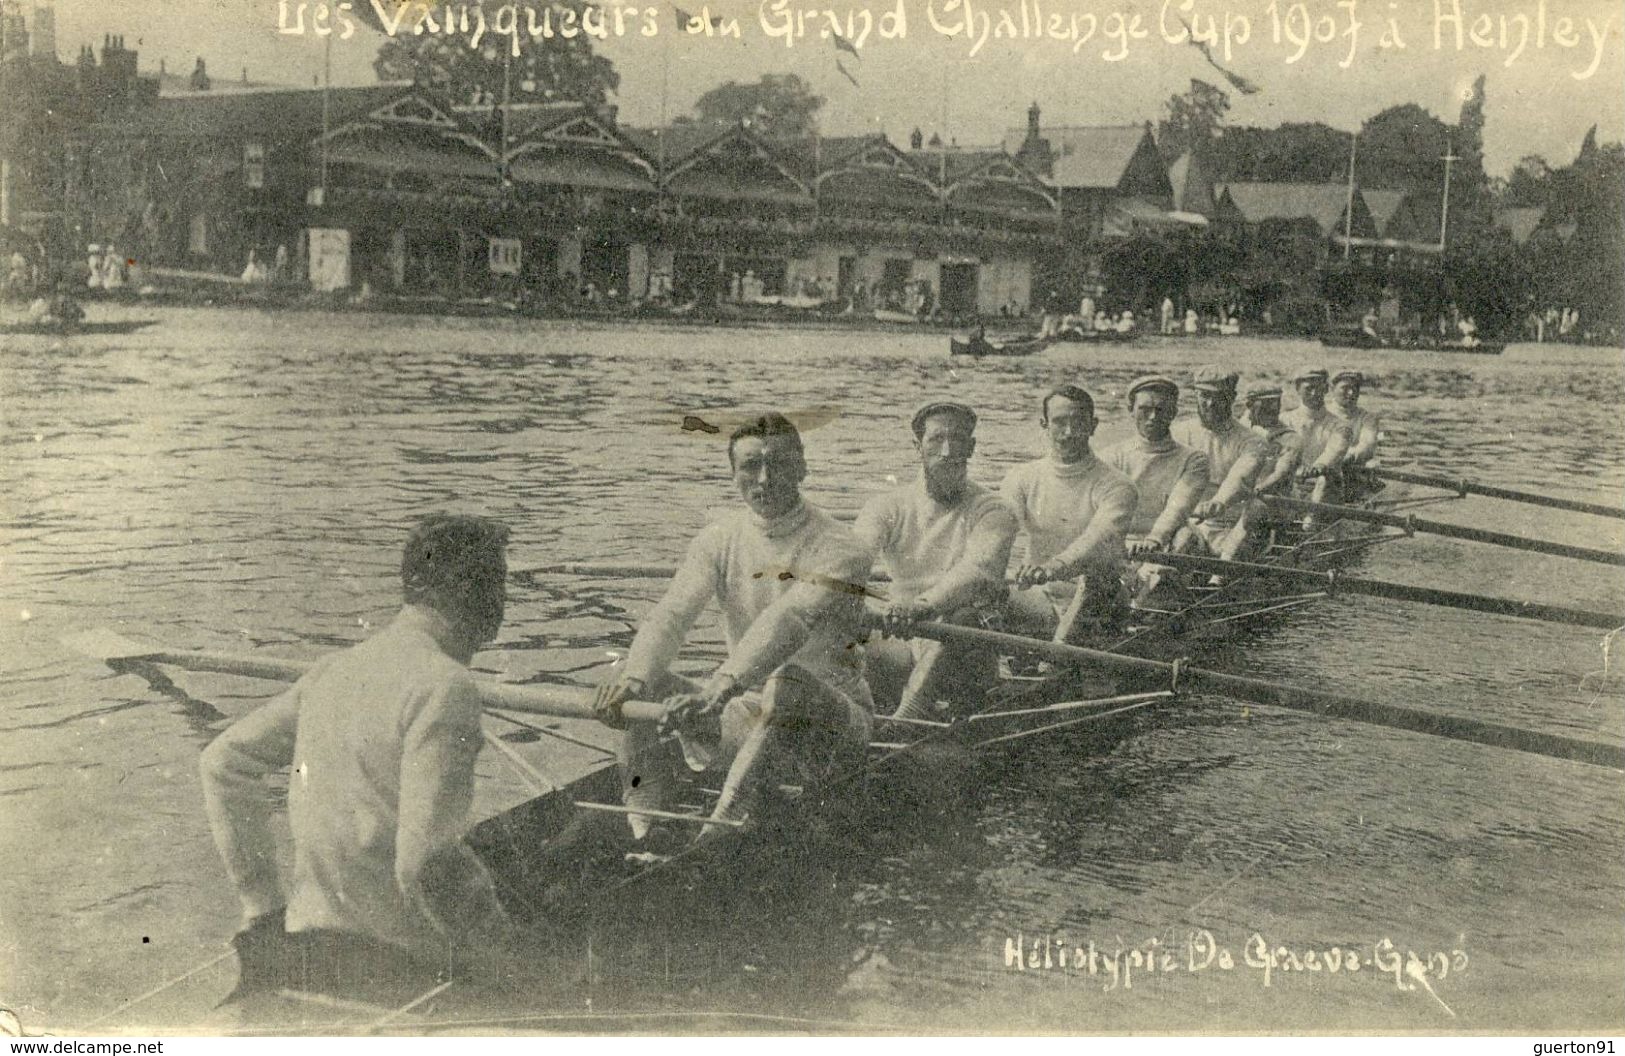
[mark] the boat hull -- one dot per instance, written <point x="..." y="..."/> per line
<point x="1365" y="342"/>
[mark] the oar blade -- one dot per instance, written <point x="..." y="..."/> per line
<point x="107" y="645"/>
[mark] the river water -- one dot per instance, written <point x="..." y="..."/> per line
<point x="241" y="481"/>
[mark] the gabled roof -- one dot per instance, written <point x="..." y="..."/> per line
<point x="1383" y="205"/>
<point x="949" y="165"/>
<point x="674" y="143"/>
<point x="278" y="114"/>
<point x="1520" y="221"/>
<point x="414" y="129"/>
<point x="1095" y="156"/>
<point x="1193" y="186"/>
<point x="1324" y="203"/>
<point x="573" y="143"/>
<point x="729" y="147"/>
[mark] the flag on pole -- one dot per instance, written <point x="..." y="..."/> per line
<point x="842" y="44"/>
<point x="685" y="19"/>
<point x="847" y="73"/>
<point x="1237" y="81"/>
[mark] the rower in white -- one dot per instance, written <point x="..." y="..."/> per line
<point x="1324" y="436"/>
<point x="1236" y="457"/>
<point x="1363" y="427"/>
<point x="945" y="541"/>
<point x="1264" y="416"/>
<point x="1169" y="476"/>
<point x="789" y="580"/>
<point x="1074" y="510"/>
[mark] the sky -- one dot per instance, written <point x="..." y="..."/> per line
<point x="1554" y="67"/>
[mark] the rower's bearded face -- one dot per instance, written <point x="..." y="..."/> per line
<point x="945" y="450"/>
<point x="768" y="472"/>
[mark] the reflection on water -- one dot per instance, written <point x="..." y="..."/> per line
<point x="240" y="481"/>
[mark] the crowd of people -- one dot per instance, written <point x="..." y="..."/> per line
<point x="384" y="899"/>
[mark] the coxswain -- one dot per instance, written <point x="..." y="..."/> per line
<point x="1074" y="511"/>
<point x="945" y="541"/>
<point x="384" y="898"/>
<point x="1169" y="477"/>
<point x="1323" y="436"/>
<point x="789" y="581"/>
<point x="1236" y="457"/>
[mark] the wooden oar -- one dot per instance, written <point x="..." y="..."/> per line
<point x="615" y="570"/>
<point x="1336" y="583"/>
<point x="1330" y="705"/>
<point x="1450" y="531"/>
<point x="1467" y="487"/>
<point x="111" y="647"/>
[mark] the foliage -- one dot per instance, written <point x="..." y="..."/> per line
<point x="1529" y="183"/>
<point x="1294" y="152"/>
<point x="547" y="69"/>
<point x="780" y="105"/>
<point x="1191" y="119"/>
<point x="1400" y="149"/>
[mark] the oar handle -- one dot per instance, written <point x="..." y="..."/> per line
<point x="1467" y="487"/>
<point x="557" y="701"/>
<point x="1449" y="531"/>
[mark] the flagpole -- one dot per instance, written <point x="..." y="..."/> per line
<point x="327" y="92"/>
<point x="1348" y="218"/>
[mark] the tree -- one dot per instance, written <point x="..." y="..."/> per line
<point x="547" y="69"/>
<point x="1530" y="182"/>
<point x="1294" y="152"/>
<point x="779" y="105"/>
<point x="1193" y="119"/>
<point x="1401" y="147"/>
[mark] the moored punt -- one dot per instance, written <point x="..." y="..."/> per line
<point x="981" y="346"/>
<point x="1075" y="335"/>
<point x="1362" y="340"/>
<point x="127" y="326"/>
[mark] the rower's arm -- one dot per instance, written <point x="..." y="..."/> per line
<point x="1337" y="446"/>
<point x="1182" y="499"/>
<point x="979" y="574"/>
<point x="1285" y="462"/>
<point x="1365" y="444"/>
<point x="834" y="592"/>
<point x="1101" y="541"/>
<point x="234" y="768"/>
<point x="660" y="635"/>
<point x="435" y="870"/>
<point x="1244" y="472"/>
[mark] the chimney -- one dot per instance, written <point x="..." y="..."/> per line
<point x="161" y="70"/>
<point x="200" y="76"/>
<point x="1032" y="121"/>
<point x="245" y="74"/>
<point x="916" y="139"/>
<point x="44" y="37"/>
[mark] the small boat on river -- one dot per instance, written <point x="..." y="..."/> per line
<point x="1363" y="340"/>
<point x="978" y="345"/>
<point x="81" y="329"/>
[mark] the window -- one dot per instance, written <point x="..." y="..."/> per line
<point x="503" y="255"/>
<point x="254" y="165"/>
<point x="199" y="240"/>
